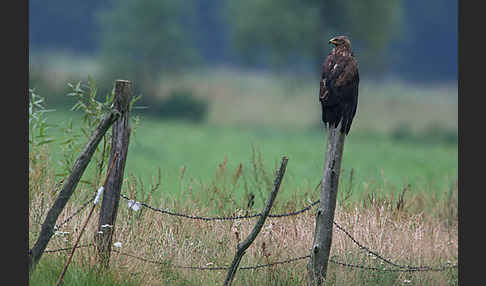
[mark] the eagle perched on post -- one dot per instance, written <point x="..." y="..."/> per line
<point x="338" y="91"/>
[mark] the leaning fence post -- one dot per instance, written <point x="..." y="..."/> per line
<point x="111" y="196"/>
<point x="242" y="247"/>
<point x="59" y="280"/>
<point x="321" y="247"/>
<point x="68" y="188"/>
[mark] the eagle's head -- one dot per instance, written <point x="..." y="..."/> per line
<point x="341" y="41"/>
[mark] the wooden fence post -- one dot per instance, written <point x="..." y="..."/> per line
<point x="111" y="195"/>
<point x="68" y="188"/>
<point x="321" y="246"/>
<point x="242" y="247"/>
<point x="61" y="276"/>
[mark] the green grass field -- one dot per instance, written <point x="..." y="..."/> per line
<point x="402" y="134"/>
<point x="379" y="161"/>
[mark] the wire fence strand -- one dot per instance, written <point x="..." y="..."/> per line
<point x="83" y="206"/>
<point x="395" y="266"/>
<point x="407" y="267"/>
<point x="258" y="266"/>
<point x="254" y="267"/>
<point x="66" y="248"/>
<point x="215" y="218"/>
<point x="442" y="268"/>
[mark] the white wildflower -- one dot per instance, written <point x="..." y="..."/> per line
<point x="407" y="281"/>
<point x="117" y="244"/>
<point x="106" y="225"/>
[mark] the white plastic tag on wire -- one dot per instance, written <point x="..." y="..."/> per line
<point x="134" y="205"/>
<point x="98" y="195"/>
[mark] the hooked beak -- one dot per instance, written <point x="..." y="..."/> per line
<point x="333" y="41"/>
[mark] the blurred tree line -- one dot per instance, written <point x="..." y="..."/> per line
<point x="141" y="39"/>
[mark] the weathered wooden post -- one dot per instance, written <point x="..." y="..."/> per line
<point x="111" y="196"/>
<point x="242" y="247"/>
<point x="325" y="213"/>
<point x="61" y="276"/>
<point x="67" y="189"/>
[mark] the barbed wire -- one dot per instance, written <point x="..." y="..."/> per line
<point x="258" y="266"/>
<point x="83" y="206"/>
<point x="254" y="267"/>
<point x="296" y="212"/>
<point x="275" y="263"/>
<point x="427" y="268"/>
<point x="67" y="248"/>
<point x="191" y="216"/>
<point x="195" y="217"/>
<point x="302" y="210"/>
<point x="408" y="267"/>
<point x="399" y="267"/>
<point x="167" y="263"/>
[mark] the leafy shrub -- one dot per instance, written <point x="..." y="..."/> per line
<point x="432" y="133"/>
<point x="180" y="104"/>
<point x="93" y="108"/>
<point x="402" y="132"/>
<point x="38" y="125"/>
<point x="437" y="132"/>
<point x="53" y="90"/>
<point x="74" y="137"/>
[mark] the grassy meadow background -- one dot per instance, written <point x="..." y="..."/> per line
<point x="403" y="134"/>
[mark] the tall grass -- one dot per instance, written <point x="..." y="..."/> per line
<point x="414" y="229"/>
<point x="79" y="274"/>
<point x="398" y="191"/>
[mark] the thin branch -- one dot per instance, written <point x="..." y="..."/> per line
<point x="242" y="247"/>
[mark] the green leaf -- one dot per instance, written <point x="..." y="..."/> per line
<point x="45" y="141"/>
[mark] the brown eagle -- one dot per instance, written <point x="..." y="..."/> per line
<point x="338" y="91"/>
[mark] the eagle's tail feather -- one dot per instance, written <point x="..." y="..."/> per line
<point x="348" y="119"/>
<point x="331" y="116"/>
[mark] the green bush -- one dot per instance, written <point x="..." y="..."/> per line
<point x="437" y="132"/>
<point x="432" y="133"/>
<point x="180" y="104"/>
<point x="402" y="132"/>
